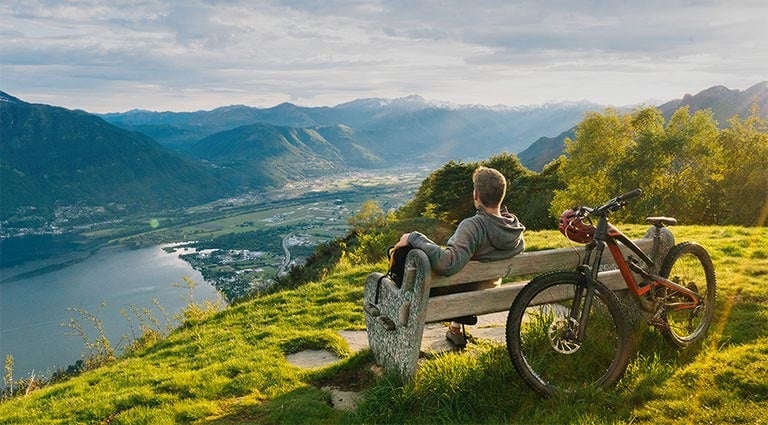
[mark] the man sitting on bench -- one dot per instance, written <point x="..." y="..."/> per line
<point x="493" y="233"/>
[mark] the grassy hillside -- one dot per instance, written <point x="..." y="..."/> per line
<point x="231" y="368"/>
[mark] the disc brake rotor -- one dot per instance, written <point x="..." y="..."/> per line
<point x="562" y="332"/>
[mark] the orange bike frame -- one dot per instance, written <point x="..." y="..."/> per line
<point x="615" y="235"/>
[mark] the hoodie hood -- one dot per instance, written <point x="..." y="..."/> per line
<point x="504" y="235"/>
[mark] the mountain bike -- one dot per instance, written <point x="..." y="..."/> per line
<point x="567" y="331"/>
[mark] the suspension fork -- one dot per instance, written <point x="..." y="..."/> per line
<point x="594" y="253"/>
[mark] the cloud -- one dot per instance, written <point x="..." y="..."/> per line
<point x="196" y="25"/>
<point x="104" y="56"/>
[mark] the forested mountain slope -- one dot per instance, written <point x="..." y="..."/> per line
<point x="53" y="156"/>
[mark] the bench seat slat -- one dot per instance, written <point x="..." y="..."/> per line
<point x="494" y="300"/>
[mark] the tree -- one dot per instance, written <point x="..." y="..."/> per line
<point x="534" y="194"/>
<point x="369" y="218"/>
<point x="446" y="194"/>
<point x="745" y="186"/>
<point x="601" y="144"/>
<point x="678" y="164"/>
<point x="691" y="177"/>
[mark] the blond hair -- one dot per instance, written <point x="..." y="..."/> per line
<point x="490" y="185"/>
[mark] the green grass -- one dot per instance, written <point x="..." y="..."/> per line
<point x="231" y="367"/>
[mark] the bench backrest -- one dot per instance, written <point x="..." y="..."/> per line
<point x="526" y="264"/>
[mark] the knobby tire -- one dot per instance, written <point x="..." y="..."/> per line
<point x="689" y="265"/>
<point x="542" y="353"/>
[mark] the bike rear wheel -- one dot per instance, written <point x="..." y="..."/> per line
<point x="542" y="342"/>
<point x="688" y="264"/>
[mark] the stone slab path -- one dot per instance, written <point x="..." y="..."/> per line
<point x="489" y="327"/>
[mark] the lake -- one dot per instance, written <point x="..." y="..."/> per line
<point x="34" y="298"/>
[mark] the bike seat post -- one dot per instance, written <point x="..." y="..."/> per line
<point x="658" y="224"/>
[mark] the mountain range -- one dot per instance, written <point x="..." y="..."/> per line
<point x="723" y="102"/>
<point x="52" y="157"/>
<point x="411" y="125"/>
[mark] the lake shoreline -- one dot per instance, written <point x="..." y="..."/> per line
<point x="107" y="282"/>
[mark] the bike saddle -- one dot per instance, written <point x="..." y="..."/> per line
<point x="661" y="221"/>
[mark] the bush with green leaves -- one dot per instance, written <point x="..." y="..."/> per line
<point x="687" y="167"/>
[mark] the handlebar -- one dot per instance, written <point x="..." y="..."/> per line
<point x="630" y="194"/>
<point x="615" y="203"/>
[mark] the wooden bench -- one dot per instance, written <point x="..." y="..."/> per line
<point x="395" y="317"/>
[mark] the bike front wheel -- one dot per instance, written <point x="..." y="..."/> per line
<point x="544" y="339"/>
<point x="688" y="264"/>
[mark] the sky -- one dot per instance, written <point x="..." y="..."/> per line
<point x="113" y="56"/>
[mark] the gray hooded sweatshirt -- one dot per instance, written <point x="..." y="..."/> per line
<point x="482" y="237"/>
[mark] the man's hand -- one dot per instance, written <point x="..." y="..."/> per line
<point x="403" y="241"/>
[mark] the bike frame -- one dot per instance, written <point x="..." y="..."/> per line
<point x="608" y="235"/>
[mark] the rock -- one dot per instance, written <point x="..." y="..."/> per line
<point x="344" y="400"/>
<point x="310" y="359"/>
<point x="357" y="340"/>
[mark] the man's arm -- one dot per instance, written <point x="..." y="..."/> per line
<point x="449" y="260"/>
